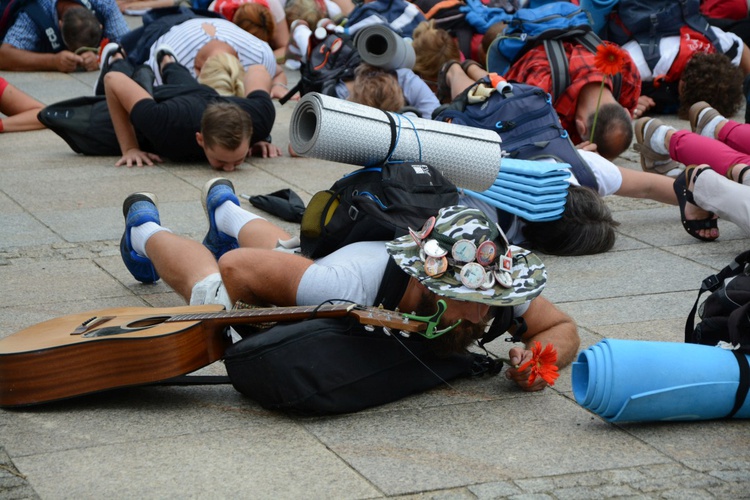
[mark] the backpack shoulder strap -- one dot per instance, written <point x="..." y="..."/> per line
<point x="713" y="283"/>
<point x="559" y="67"/>
<point x="393" y="286"/>
<point x="45" y="23"/>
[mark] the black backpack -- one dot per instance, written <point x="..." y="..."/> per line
<point x="525" y="120"/>
<point x="725" y="314"/>
<point x="328" y="61"/>
<point x="373" y="204"/>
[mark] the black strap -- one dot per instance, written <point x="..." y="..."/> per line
<point x="393" y="286"/>
<point x="744" y="384"/>
<point x="559" y="68"/>
<point x="711" y="284"/>
<point x="291" y="92"/>
<point x="394" y="134"/>
<point x="195" y="380"/>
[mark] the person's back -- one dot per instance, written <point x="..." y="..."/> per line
<point x="578" y="102"/>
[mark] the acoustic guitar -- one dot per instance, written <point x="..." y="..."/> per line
<point x="110" y="348"/>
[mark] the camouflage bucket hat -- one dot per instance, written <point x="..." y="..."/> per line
<point x="451" y="256"/>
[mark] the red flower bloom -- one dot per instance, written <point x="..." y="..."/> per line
<point x="542" y="364"/>
<point x="610" y="58"/>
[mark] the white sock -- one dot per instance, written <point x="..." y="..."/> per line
<point x="230" y="218"/>
<point x="657" y="139"/>
<point x="710" y="129"/>
<point x="301" y="36"/>
<point x="139" y="235"/>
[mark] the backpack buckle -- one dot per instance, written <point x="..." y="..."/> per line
<point x="353" y="212"/>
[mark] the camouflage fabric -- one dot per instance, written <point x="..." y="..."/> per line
<point x="457" y="222"/>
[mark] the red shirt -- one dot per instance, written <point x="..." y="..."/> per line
<point x="724" y="9"/>
<point x="533" y="68"/>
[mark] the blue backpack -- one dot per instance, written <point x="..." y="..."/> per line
<point x="526" y="121"/>
<point x="550" y="25"/>
<point x="647" y="21"/>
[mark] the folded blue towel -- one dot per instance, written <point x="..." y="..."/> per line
<point x="546" y="169"/>
<point x="531" y="215"/>
<point x="529" y="197"/>
<point x="558" y="188"/>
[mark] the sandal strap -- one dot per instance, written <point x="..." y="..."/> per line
<point x="666" y="163"/>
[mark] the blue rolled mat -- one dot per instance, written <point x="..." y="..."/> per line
<point x="533" y="205"/>
<point x="538" y="216"/>
<point x="532" y="168"/>
<point x="636" y="381"/>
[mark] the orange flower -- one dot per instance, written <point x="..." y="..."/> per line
<point x="610" y="58"/>
<point x="542" y="364"/>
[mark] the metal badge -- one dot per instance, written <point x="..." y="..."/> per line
<point x="489" y="281"/>
<point x="435" y="266"/>
<point x="504" y="279"/>
<point x="486" y="253"/>
<point x="433" y="249"/>
<point x="427" y="227"/>
<point x="506" y="261"/>
<point x="464" y="251"/>
<point x="472" y="275"/>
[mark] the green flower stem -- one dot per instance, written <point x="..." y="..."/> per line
<point x="596" y="114"/>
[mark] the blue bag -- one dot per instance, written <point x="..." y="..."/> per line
<point x="527" y="123"/>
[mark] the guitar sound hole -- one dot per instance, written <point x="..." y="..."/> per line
<point x="147" y="322"/>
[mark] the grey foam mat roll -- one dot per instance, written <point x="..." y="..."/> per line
<point x="333" y="129"/>
<point x="380" y="46"/>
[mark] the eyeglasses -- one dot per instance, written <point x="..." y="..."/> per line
<point x="480" y="266"/>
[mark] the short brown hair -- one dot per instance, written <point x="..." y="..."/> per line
<point x="226" y="125"/>
<point x="256" y="19"/>
<point x="433" y="47"/>
<point x="377" y="88"/>
<point x="80" y="28"/>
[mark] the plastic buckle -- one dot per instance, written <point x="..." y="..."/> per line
<point x="353" y="212"/>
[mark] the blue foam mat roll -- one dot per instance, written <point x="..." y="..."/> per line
<point x="546" y="215"/>
<point x="635" y="381"/>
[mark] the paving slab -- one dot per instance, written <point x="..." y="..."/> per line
<point x="60" y="227"/>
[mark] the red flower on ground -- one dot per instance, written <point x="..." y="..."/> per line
<point x="610" y="58"/>
<point x="542" y="363"/>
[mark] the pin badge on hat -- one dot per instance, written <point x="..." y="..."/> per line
<point x="486" y="253"/>
<point x="472" y="275"/>
<point x="503" y="274"/>
<point x="435" y="266"/>
<point x="433" y="249"/>
<point x="464" y="251"/>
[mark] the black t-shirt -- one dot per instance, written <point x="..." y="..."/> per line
<point x="169" y="127"/>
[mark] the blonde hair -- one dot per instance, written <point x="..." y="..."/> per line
<point x="225" y="125"/>
<point x="224" y="73"/>
<point x="256" y="19"/>
<point x="377" y="88"/>
<point x="433" y="47"/>
<point x="306" y="10"/>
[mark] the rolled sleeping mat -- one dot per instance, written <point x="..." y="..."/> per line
<point x="333" y="129"/>
<point x="536" y="212"/>
<point x="380" y="46"/>
<point x="638" y="381"/>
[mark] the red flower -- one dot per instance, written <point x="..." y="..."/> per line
<point x="542" y="364"/>
<point x="610" y="58"/>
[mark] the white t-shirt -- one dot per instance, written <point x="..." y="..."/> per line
<point x="187" y="38"/>
<point x="669" y="46"/>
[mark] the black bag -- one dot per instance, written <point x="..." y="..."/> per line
<point x="725" y="314"/>
<point x="373" y="204"/>
<point x="524" y="118"/>
<point x="328" y="61"/>
<point x="328" y="366"/>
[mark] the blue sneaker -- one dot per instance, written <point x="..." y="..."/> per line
<point x="138" y="208"/>
<point x="215" y="192"/>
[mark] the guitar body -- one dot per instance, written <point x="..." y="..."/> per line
<point x="123" y="347"/>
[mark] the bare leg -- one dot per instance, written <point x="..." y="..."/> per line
<point x="260" y="233"/>
<point x="180" y="262"/>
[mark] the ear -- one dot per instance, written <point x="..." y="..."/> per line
<point x="199" y="139"/>
<point x="581" y="127"/>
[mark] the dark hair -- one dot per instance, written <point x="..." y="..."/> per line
<point x="80" y="28"/>
<point x="614" y="130"/>
<point x="226" y="125"/>
<point x="714" y="79"/>
<point x="586" y="226"/>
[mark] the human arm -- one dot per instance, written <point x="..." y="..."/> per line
<point x="636" y="184"/>
<point x="15" y="59"/>
<point x="548" y="325"/>
<point x="122" y="94"/>
<point x="21" y="110"/>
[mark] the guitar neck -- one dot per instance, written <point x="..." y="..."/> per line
<point x="365" y="315"/>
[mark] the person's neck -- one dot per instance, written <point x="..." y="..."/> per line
<point x="589" y="98"/>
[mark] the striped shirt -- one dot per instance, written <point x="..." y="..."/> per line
<point x="187" y="38"/>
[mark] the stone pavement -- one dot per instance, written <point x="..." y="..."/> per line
<point x="60" y="224"/>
